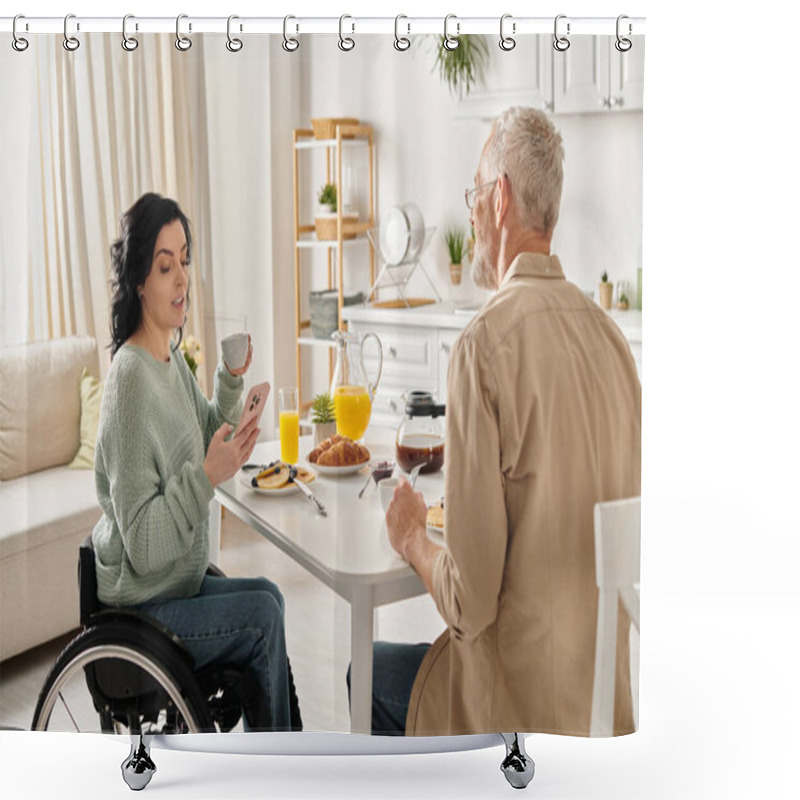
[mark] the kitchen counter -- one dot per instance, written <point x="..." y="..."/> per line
<point x="447" y="315"/>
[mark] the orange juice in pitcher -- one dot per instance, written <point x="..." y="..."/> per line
<point x="351" y="390"/>
<point x="353" y="409"/>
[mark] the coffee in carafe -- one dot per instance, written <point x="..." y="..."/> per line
<point x="420" y="438"/>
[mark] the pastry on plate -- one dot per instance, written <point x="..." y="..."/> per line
<point x="436" y="516"/>
<point x="338" y="451"/>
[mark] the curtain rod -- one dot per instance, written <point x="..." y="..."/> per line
<point x="311" y="25"/>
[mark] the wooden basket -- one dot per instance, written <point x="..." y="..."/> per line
<point x="325" y="127"/>
<point x="326" y="226"/>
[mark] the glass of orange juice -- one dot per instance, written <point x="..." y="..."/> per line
<point x="289" y="421"/>
<point x="353" y="409"/>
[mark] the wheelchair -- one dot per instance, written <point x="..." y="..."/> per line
<point x="127" y="673"/>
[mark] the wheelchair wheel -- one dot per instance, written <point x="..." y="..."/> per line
<point x="117" y="677"/>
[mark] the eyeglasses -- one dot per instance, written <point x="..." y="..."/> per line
<point x="469" y="194"/>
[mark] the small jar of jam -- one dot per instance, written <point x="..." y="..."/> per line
<point x="420" y="437"/>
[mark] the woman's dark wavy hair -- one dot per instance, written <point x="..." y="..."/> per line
<point x="132" y="260"/>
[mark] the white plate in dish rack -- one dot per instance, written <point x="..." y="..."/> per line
<point x="394" y="235"/>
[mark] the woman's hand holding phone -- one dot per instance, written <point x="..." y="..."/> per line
<point x="223" y="459"/>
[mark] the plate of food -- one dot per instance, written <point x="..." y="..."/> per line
<point x="435" y="520"/>
<point x="337" y="456"/>
<point x="274" y="481"/>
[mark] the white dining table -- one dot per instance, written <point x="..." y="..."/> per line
<point x="348" y="550"/>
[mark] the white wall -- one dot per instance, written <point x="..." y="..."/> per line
<point x="426" y="155"/>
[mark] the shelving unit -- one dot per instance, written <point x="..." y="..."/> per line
<point x="347" y="136"/>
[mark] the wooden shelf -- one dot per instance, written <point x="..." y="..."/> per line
<point x="305" y="241"/>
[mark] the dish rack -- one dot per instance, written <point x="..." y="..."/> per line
<point x="397" y="275"/>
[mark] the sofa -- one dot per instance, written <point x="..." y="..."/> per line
<point x="46" y="506"/>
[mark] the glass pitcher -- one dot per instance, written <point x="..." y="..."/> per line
<point x="351" y="391"/>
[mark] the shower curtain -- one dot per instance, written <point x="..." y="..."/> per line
<point x="253" y="135"/>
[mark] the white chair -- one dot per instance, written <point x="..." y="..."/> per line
<point x="617" y="540"/>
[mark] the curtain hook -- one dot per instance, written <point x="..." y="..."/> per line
<point x="70" y="43"/>
<point x="290" y="44"/>
<point x="345" y="42"/>
<point x="183" y="43"/>
<point x="450" y="42"/>
<point x="129" y="43"/>
<point x="623" y="44"/>
<point x="18" y="42"/>
<point x="560" y="43"/>
<point x="507" y="42"/>
<point x="234" y="45"/>
<point x="401" y="42"/>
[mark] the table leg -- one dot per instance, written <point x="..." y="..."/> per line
<point x="361" y="632"/>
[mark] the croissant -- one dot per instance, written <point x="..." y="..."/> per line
<point x="339" y="451"/>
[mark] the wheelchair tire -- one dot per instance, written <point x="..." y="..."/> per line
<point x="132" y="643"/>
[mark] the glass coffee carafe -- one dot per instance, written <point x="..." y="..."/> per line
<point x="420" y="437"/>
<point x="351" y="391"/>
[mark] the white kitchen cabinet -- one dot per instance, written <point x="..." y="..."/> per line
<point x="590" y="76"/>
<point x="416" y="350"/>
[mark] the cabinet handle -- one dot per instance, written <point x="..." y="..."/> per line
<point x="393" y="352"/>
<point x="619" y="101"/>
<point x="393" y="405"/>
<point x="445" y="347"/>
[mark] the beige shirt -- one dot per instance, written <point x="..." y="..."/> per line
<point x="543" y="421"/>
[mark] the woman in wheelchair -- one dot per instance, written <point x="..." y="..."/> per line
<point x="161" y="449"/>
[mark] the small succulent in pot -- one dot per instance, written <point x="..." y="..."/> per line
<point x="606" y="291"/>
<point x="454" y="239"/>
<point x="327" y="197"/>
<point x="323" y="417"/>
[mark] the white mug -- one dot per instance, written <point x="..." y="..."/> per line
<point x="386" y="488"/>
<point x="234" y="350"/>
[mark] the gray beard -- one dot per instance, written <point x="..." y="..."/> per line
<point x="485" y="275"/>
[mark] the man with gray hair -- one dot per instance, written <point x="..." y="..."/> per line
<point x="543" y="421"/>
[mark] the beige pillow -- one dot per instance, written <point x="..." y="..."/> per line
<point x="91" y="395"/>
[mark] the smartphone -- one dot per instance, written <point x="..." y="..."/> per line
<point x="254" y="405"/>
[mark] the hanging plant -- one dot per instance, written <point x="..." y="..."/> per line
<point x="463" y="67"/>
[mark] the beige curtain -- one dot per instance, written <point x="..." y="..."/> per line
<point x="105" y="126"/>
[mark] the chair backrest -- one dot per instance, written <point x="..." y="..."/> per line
<point x="87" y="581"/>
<point x="617" y="541"/>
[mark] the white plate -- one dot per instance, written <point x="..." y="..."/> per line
<point x="437" y="534"/>
<point x="337" y="472"/>
<point x="290" y="488"/>
<point x="416" y="230"/>
<point x="394" y="235"/>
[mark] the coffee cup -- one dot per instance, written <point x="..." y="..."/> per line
<point x="386" y="488"/>
<point x="234" y="350"/>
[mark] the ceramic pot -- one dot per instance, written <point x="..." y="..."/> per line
<point x="606" y="293"/>
<point x="455" y="274"/>
<point x="323" y="431"/>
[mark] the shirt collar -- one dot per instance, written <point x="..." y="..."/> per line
<point x="533" y="265"/>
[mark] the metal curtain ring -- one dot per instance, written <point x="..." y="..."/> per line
<point x="183" y="43"/>
<point x="401" y="42"/>
<point x="560" y="43"/>
<point x="450" y="42"/>
<point x="345" y="42"/>
<point x="623" y="44"/>
<point x="506" y="42"/>
<point x="233" y="44"/>
<point x="128" y="42"/>
<point x="18" y="42"/>
<point x="290" y="44"/>
<point x="70" y="42"/>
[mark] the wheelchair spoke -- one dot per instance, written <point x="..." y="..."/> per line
<point x="66" y="708"/>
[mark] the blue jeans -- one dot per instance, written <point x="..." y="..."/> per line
<point x="394" y="669"/>
<point x="236" y="621"/>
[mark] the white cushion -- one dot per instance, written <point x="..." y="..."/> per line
<point x="40" y="403"/>
<point x="45" y="506"/>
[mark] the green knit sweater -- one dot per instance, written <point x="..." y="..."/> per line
<point x="155" y="427"/>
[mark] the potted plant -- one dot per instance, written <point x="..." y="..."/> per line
<point x="471" y="243"/>
<point x="463" y="67"/>
<point x="326" y="221"/>
<point x="606" y="292"/>
<point x="454" y="238"/>
<point x="323" y="417"/>
<point x="622" y="303"/>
